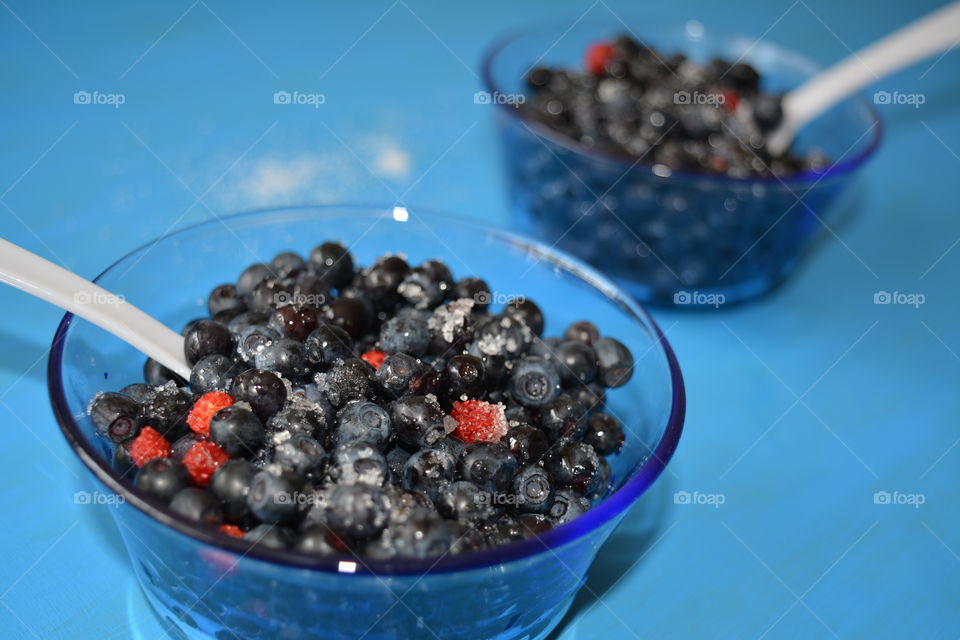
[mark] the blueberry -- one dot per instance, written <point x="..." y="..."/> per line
<point x="576" y="361"/>
<point x="396" y="459"/>
<point x="214" y="373"/>
<point x="315" y="541"/>
<point x="347" y="380"/>
<point x="252" y="339"/>
<point x="115" y="415"/>
<point x="404" y="335"/>
<point x="563" y="417"/>
<point x="262" y="390"/>
<point x="423" y="288"/>
<point x="247" y="319"/>
<point x="615" y="362"/>
<point x="490" y="466"/>
<point x="364" y="421"/>
<point x="582" y="331"/>
<point x="237" y="431"/>
<point x="533" y="525"/>
<point x="463" y="500"/>
<point x="183" y="444"/>
<point x="301" y="418"/>
<point x="502" y="335"/>
<point x="274" y="498"/>
<point x="286" y="264"/>
<point x="353" y="315"/>
<point x="473" y="288"/>
<point x="358" y="462"/>
<point x="591" y="396"/>
<point x="604" y="433"/>
<point x="225" y="298"/>
<point x="398" y="373"/>
<point x="251" y="277"/>
<point x="602" y="485"/>
<point x="534" y="381"/>
<point x="574" y="466"/>
<point x="428" y="470"/>
<point x="301" y="454"/>
<point x="533" y="489"/>
<point x="270" y="536"/>
<point x="382" y="279"/>
<point x="527" y="443"/>
<point x="334" y="263"/>
<point x="271" y="293"/>
<point x="424" y="535"/>
<point x="526" y="311"/>
<point x="452" y="324"/>
<point x="205" y="338"/>
<point x="163" y="478"/>
<point x="463" y="375"/>
<point x="286" y="357"/>
<point x="327" y="344"/>
<point x="357" y="510"/>
<point x="418" y="421"/>
<point x="294" y="321"/>
<point x="567" y="506"/>
<point x="139" y="392"/>
<point x="155" y="373"/>
<point x="198" y="505"/>
<point x="231" y="484"/>
<point x="167" y="411"/>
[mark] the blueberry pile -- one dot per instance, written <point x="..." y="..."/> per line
<point x="385" y="411"/>
<point x="666" y="110"/>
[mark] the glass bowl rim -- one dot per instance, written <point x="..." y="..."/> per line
<point x="799" y="178"/>
<point x="610" y="507"/>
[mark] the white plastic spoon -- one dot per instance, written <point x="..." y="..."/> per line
<point x="939" y="31"/>
<point x="41" y="278"/>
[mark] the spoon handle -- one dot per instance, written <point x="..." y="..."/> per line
<point x="41" y="278"/>
<point x="936" y="32"/>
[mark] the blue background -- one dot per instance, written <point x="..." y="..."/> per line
<point x="802" y="405"/>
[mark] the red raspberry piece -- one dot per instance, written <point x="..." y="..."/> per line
<point x="149" y="444"/>
<point x="205" y="408"/>
<point x="374" y="358"/>
<point x="479" y="421"/>
<point x="730" y="100"/>
<point x="202" y="460"/>
<point x="598" y="55"/>
<point x="231" y="530"/>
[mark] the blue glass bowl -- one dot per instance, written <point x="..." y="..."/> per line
<point x="207" y="585"/>
<point x="670" y="237"/>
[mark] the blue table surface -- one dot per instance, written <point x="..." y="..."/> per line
<point x="801" y="406"/>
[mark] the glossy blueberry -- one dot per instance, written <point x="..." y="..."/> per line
<point x="294" y="321"/>
<point x="533" y="489"/>
<point x="527" y="443"/>
<point x="348" y="380"/>
<point x="253" y="339"/>
<point x="262" y="390"/>
<point x="615" y="362"/>
<point x="326" y="344"/>
<point x="247" y="319"/>
<point x="205" y="338"/>
<point x="563" y="417"/>
<point x="576" y="361"/>
<point x="198" y="505"/>
<point x="428" y="470"/>
<point x="582" y="331"/>
<point x="423" y="535"/>
<point x="490" y="466"/>
<point x="163" y="478"/>
<point x="334" y="263"/>
<point x="358" y="462"/>
<point x="398" y="373"/>
<point x="533" y="525"/>
<point x="502" y="335"/>
<point x="286" y="264"/>
<point x="302" y="418"/>
<point x="353" y="315"/>
<point x="284" y="356"/>
<point x="251" y="277"/>
<point x="155" y="373"/>
<point x="231" y="484"/>
<point x="404" y="335"/>
<point x="574" y="466"/>
<point x="167" y="411"/>
<point x="183" y="444"/>
<point x="463" y="375"/>
<point x="115" y="415"/>
<point x="474" y="289"/>
<point x="526" y="311"/>
<point x="301" y="454"/>
<point x="604" y="433"/>
<point x="363" y="421"/>
<point x="139" y="392"/>
<point x="274" y="498"/>
<point x="271" y="293"/>
<point x="316" y="541"/>
<point x="567" y="506"/>
<point x="422" y="289"/>
<point x="602" y="485"/>
<point x="382" y="279"/>
<point x="418" y="421"/>
<point x="270" y="536"/>
<point x="214" y="373"/>
<point x="358" y="510"/>
<point x="591" y="396"/>
<point x="225" y="298"/>
<point x="534" y="381"/>
<point x="237" y="431"/>
<point x="463" y="500"/>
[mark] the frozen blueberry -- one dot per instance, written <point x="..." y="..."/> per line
<point x="358" y="462"/>
<point x="526" y="311"/>
<point x="262" y="390"/>
<point x="563" y="417"/>
<point x="115" y="415"/>
<point x="463" y="500"/>
<point x="418" y="421"/>
<point x="527" y="443"/>
<point x="404" y="335"/>
<point x="163" y="478"/>
<point x="615" y="362"/>
<point x="566" y="506"/>
<point x="576" y="361"/>
<point x="398" y="373"/>
<point x="604" y="433"/>
<point x="274" y="498"/>
<point x="364" y="421"/>
<point x="214" y="373"/>
<point x="251" y="277"/>
<point x="490" y="466"/>
<point x="225" y="298"/>
<point x="237" y="431"/>
<point x="334" y="263"/>
<point x="327" y="344"/>
<point x="358" y="510"/>
<point x="198" y="505"/>
<point x="231" y="484"/>
<point x="270" y="536"/>
<point x="205" y="338"/>
<point x="348" y="380"/>
<point x="574" y="466"/>
<point x="534" y="381"/>
<point x="428" y="470"/>
<point x="286" y="357"/>
<point x="533" y="489"/>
